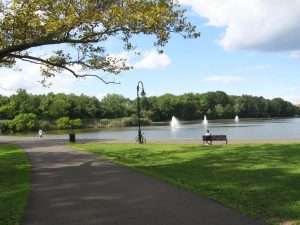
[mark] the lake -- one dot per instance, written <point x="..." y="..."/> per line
<point x="250" y="129"/>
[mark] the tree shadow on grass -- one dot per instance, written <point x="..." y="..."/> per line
<point x="71" y="186"/>
<point x="260" y="180"/>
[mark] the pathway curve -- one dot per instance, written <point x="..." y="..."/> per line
<point x="76" y="188"/>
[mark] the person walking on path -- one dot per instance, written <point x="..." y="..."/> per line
<point x="40" y="134"/>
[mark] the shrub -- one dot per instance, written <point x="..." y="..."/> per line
<point x="133" y="121"/>
<point x="24" y="122"/>
<point x="146" y="121"/>
<point x="5" y="126"/>
<point x="65" y="123"/>
<point x="123" y="122"/>
<point x="74" y="124"/>
<point x="130" y="121"/>
<point x="45" y="125"/>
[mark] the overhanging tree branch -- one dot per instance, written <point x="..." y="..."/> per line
<point x="44" y="62"/>
<point x="85" y="26"/>
<point x="22" y="47"/>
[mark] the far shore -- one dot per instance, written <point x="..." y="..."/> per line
<point x="4" y="138"/>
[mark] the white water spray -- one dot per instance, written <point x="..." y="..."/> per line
<point x="205" y="122"/>
<point x="236" y="119"/>
<point x="174" y="123"/>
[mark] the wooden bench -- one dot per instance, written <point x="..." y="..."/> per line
<point x="211" y="138"/>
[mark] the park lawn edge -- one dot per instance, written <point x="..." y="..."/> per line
<point x="15" y="183"/>
<point x="268" y="217"/>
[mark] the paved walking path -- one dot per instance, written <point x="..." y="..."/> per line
<point x="76" y="188"/>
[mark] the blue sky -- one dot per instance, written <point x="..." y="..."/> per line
<point x="245" y="48"/>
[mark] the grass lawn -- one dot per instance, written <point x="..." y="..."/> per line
<point x="14" y="183"/>
<point x="261" y="180"/>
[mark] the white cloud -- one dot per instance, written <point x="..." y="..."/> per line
<point x="150" y="59"/>
<point x="12" y="80"/>
<point x="295" y="54"/>
<point x="28" y="77"/>
<point x="264" y="25"/>
<point x="153" y="60"/>
<point x="124" y="57"/>
<point x="223" y="79"/>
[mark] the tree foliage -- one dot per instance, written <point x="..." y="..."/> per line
<point x="65" y="123"/>
<point x="26" y="121"/>
<point x="191" y="106"/>
<point x="84" y="26"/>
<point x="115" y="106"/>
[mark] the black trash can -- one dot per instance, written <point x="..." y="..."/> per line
<point x="72" y="138"/>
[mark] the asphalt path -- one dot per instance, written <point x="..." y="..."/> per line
<point x="70" y="187"/>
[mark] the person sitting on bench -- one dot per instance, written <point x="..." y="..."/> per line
<point x="208" y="139"/>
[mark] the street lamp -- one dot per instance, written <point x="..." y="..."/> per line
<point x="139" y="109"/>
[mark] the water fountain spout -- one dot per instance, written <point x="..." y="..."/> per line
<point x="174" y="123"/>
<point x="205" y="122"/>
<point x="236" y="119"/>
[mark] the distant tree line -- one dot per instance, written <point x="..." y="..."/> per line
<point x="50" y="108"/>
<point x="216" y="105"/>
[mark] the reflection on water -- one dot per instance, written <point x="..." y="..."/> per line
<point x="243" y="129"/>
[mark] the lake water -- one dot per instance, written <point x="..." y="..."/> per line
<point x="250" y="129"/>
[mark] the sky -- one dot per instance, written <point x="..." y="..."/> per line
<point x="247" y="47"/>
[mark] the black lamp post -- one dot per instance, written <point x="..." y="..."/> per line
<point x="139" y="109"/>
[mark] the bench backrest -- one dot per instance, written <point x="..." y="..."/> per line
<point x="214" y="137"/>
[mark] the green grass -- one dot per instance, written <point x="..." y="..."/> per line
<point x="14" y="183"/>
<point x="260" y="180"/>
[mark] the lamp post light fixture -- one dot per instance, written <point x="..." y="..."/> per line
<point x="140" y="140"/>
